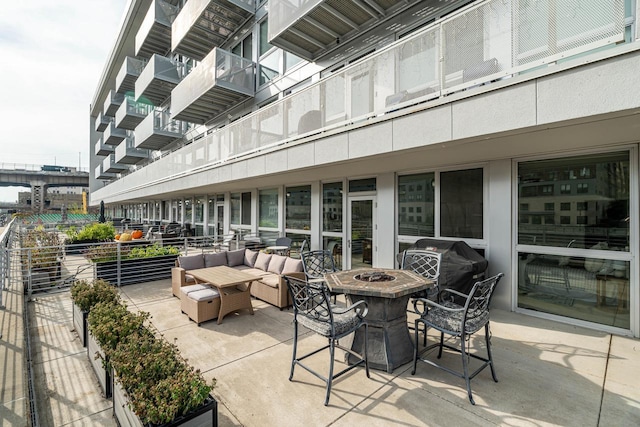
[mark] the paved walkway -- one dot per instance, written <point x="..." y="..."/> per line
<point x="550" y="373"/>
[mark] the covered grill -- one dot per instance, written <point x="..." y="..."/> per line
<point x="461" y="265"/>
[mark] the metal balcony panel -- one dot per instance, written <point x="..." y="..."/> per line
<point x="101" y="175"/>
<point x="220" y="81"/>
<point x="109" y="165"/>
<point x="154" y="35"/>
<point x="157" y="131"/>
<point x="128" y="74"/>
<point x="102" y="122"/>
<point x="102" y="149"/>
<point x="113" y="135"/>
<point x="127" y="153"/>
<point x="202" y="25"/>
<point x="311" y="29"/>
<point x="130" y="114"/>
<point x="113" y="101"/>
<point x="157" y="80"/>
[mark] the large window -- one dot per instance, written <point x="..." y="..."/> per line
<point x="298" y="201"/>
<point x="268" y="208"/>
<point x="589" y="278"/>
<point x="269" y="64"/>
<point x="416" y="195"/>
<point x="461" y="203"/>
<point x="241" y="208"/>
<point x="332" y="207"/>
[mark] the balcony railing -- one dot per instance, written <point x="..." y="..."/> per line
<point x="131" y="113"/>
<point x="158" y="78"/>
<point x="220" y="81"/>
<point x="128" y="74"/>
<point x="109" y="165"/>
<point x="490" y="41"/>
<point x="113" y="101"/>
<point x="158" y="130"/>
<point x="113" y="135"/>
<point x="202" y="25"/>
<point x="127" y="153"/>
<point x="154" y="35"/>
<point x="102" y="122"/>
<point x="101" y="148"/>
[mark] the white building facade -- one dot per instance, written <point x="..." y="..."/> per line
<point x="363" y="126"/>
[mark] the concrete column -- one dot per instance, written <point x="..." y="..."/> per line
<point x="38" y="195"/>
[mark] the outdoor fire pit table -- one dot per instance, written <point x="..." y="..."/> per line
<point x="387" y="294"/>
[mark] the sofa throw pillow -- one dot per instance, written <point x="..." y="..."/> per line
<point x="292" y="266"/>
<point x="276" y="264"/>
<point x="250" y="257"/>
<point x="235" y="257"/>
<point x="262" y="261"/>
<point x="191" y="262"/>
<point x="215" y="260"/>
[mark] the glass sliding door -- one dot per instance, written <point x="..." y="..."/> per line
<point x="362" y="226"/>
<point x="574" y="253"/>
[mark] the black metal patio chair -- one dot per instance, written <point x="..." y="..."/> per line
<point x="316" y="264"/>
<point x="460" y="321"/>
<point x="312" y="308"/>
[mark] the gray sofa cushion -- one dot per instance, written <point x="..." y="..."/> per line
<point x="292" y="266"/>
<point x="250" y="257"/>
<point x="262" y="262"/>
<point x="215" y="260"/>
<point x="276" y="264"/>
<point x="191" y="262"/>
<point x="235" y="257"/>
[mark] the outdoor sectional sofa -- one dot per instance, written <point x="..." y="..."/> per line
<point x="271" y="286"/>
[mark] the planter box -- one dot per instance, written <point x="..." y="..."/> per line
<point x="105" y="378"/>
<point x="205" y="416"/>
<point x="79" y="247"/>
<point x="80" y="323"/>
<point x="136" y="270"/>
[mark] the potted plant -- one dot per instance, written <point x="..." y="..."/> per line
<point x="79" y="241"/>
<point x="135" y="264"/>
<point x="85" y="295"/>
<point x="153" y="385"/>
<point x="109" y="322"/>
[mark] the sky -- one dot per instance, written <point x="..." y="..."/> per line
<point x="52" y="54"/>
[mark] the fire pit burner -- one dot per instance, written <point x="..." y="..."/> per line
<point x="374" y="276"/>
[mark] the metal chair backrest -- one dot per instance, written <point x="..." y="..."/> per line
<point x="311" y="300"/>
<point x="479" y="299"/>
<point x="283" y="241"/>
<point x="423" y="262"/>
<point x="317" y="263"/>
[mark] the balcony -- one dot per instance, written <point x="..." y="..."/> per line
<point x="99" y="174"/>
<point x="154" y="35"/>
<point x="102" y="122"/>
<point x="202" y="25"/>
<point x="113" y="101"/>
<point x="131" y="113"/>
<point x="127" y="153"/>
<point x="128" y="74"/>
<point x="109" y="165"/>
<point x="101" y="148"/>
<point x="158" y="130"/>
<point x="312" y="28"/>
<point x="113" y="135"/>
<point x="220" y="81"/>
<point x="157" y="80"/>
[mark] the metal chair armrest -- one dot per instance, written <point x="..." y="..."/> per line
<point x="427" y="303"/>
<point x="361" y="308"/>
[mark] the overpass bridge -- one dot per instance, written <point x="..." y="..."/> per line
<point x="41" y="177"/>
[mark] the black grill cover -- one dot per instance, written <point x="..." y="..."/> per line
<point x="461" y="266"/>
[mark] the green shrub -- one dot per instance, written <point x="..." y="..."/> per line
<point x="96" y="232"/>
<point x="87" y="294"/>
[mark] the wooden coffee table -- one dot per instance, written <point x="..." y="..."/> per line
<point x="234" y="287"/>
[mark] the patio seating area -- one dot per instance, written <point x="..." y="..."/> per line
<point x="549" y="373"/>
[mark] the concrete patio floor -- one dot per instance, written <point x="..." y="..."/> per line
<point x="550" y="373"/>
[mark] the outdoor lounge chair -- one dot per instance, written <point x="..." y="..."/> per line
<point x="460" y="321"/>
<point x="313" y="309"/>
